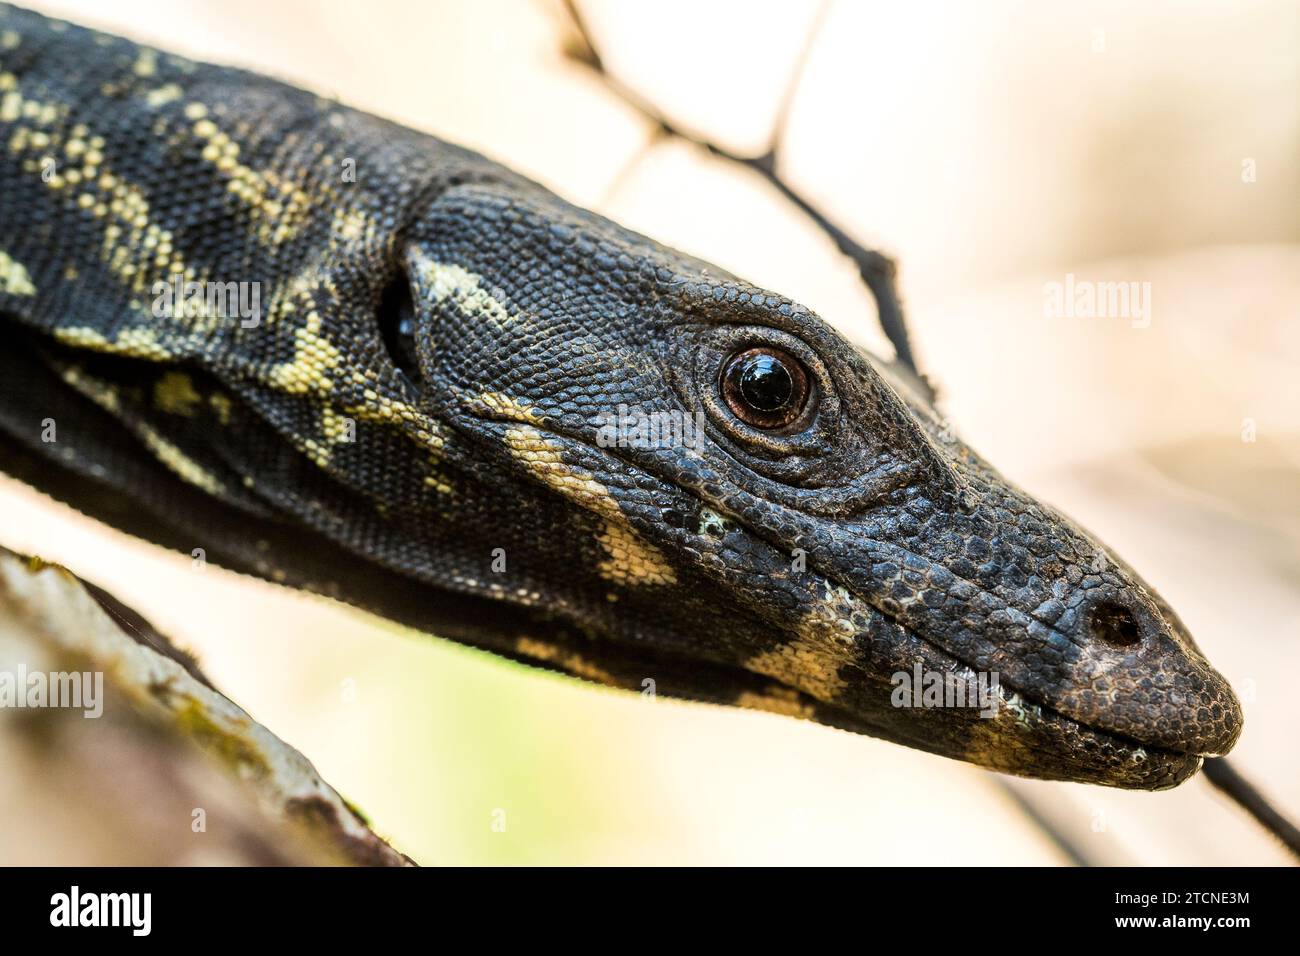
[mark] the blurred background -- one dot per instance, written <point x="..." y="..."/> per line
<point x="991" y="148"/>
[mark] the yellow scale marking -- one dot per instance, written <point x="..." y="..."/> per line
<point x="826" y="642"/>
<point x="631" y="560"/>
<point x="464" y="289"/>
<point x="13" y="276"/>
<point x="137" y="251"/>
<point x="182" y="465"/>
<point x="279" y="207"/>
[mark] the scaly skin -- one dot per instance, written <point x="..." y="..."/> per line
<point x="794" y="570"/>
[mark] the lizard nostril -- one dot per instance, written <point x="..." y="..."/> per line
<point x="1113" y="624"/>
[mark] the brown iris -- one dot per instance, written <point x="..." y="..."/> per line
<point x="765" y="387"/>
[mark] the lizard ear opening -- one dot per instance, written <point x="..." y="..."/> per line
<point x="397" y="326"/>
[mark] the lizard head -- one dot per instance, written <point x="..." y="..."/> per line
<point x="632" y="466"/>
<point x="736" y="504"/>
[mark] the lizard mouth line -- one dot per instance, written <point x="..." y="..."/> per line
<point x="1028" y="708"/>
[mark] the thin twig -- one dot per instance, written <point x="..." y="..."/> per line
<point x="877" y="270"/>
<point x="1225" y="777"/>
<point x="1039" y="817"/>
<point x="782" y="120"/>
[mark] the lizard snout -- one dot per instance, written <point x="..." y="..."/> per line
<point x="1138" y="673"/>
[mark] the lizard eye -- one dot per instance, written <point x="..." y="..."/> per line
<point x="765" y="387"/>
<point x="397" y="326"/>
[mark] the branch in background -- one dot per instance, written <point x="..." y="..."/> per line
<point x="877" y="270"/>
<point x="153" y="766"/>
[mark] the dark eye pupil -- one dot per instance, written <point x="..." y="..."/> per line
<point x="765" y="387"/>
<point x="766" y="383"/>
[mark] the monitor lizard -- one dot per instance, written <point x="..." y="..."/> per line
<point x="246" y="322"/>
